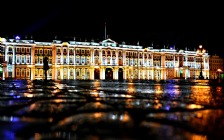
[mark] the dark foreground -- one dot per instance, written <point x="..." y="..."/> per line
<point x="111" y="110"/>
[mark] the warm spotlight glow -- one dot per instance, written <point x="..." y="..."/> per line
<point x="219" y="70"/>
<point x="28" y="95"/>
<point x="194" y="106"/>
<point x="98" y="115"/>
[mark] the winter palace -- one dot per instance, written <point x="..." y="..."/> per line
<point x="23" y="59"/>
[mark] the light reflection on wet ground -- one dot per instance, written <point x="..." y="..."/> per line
<point x="111" y="110"/>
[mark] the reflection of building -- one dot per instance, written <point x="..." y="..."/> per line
<point x="103" y="60"/>
<point x="216" y="66"/>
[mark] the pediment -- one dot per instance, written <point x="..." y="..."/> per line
<point x="109" y="42"/>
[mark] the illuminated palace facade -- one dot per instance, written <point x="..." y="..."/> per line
<point x="23" y="59"/>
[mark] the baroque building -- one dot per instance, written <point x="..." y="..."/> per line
<point x="216" y="67"/>
<point x="23" y="59"/>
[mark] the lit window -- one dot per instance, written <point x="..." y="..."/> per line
<point x="36" y="72"/>
<point x="28" y="50"/>
<point x="27" y="59"/>
<point x="17" y="59"/>
<point x="28" y="73"/>
<point x="17" y="72"/>
<point x="18" y="50"/>
<point x="36" y="60"/>
<point x="23" y="50"/>
<point x="41" y="60"/>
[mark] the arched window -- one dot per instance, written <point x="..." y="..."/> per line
<point x="120" y="54"/>
<point x="96" y="52"/>
<point x="10" y="49"/>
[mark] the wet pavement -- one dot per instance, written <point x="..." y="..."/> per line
<point x="111" y="110"/>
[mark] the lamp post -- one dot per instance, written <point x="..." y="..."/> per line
<point x="219" y="73"/>
<point x="200" y="52"/>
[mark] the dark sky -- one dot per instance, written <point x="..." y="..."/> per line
<point x="161" y="23"/>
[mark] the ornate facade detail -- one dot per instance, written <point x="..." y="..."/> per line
<point x="23" y="59"/>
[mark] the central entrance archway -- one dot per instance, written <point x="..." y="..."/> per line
<point x="108" y="74"/>
<point x="96" y="73"/>
<point x="120" y="74"/>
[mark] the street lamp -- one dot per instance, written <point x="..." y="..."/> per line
<point x="219" y="73"/>
<point x="200" y="52"/>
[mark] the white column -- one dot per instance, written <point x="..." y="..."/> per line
<point x="61" y="73"/>
<point x="163" y="73"/>
<point x="115" y="73"/>
<point x="116" y="59"/>
<point x="102" y="73"/>
<point x="75" y="70"/>
<point x="124" y="73"/>
<point x="91" y="56"/>
<point x="68" y="74"/>
<point x="124" y="57"/>
<point x="100" y="56"/>
<point x="152" y="73"/>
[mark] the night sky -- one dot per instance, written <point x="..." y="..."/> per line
<point x="185" y="25"/>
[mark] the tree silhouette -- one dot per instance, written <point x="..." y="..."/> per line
<point x="46" y="67"/>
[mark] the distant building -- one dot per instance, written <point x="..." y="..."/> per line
<point x="23" y="59"/>
<point x="216" y="67"/>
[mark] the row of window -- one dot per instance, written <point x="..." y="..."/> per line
<point x="214" y="68"/>
<point x="23" y="59"/>
<point x="22" y="72"/>
<point x="43" y="51"/>
<point x="128" y="53"/>
<point x="216" y="61"/>
<point x="40" y="59"/>
<point x="71" y="51"/>
<point x="22" y="50"/>
<point x="86" y="60"/>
